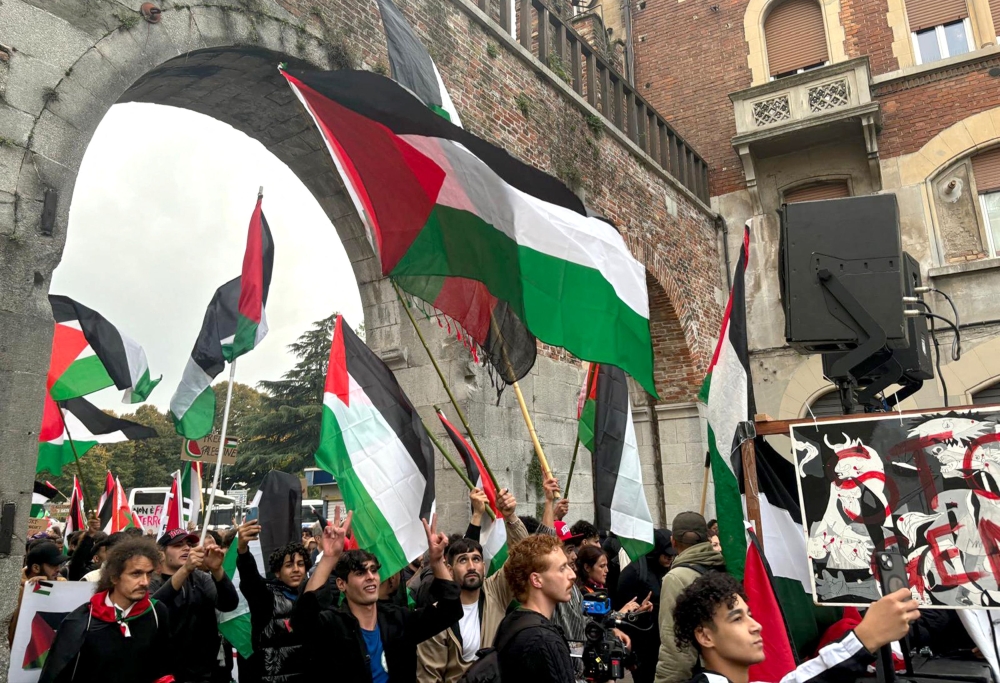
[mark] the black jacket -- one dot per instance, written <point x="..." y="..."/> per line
<point x="279" y="655"/>
<point x="336" y="632"/>
<point x="193" y="627"/>
<point x="88" y="650"/>
<point x="539" y="653"/>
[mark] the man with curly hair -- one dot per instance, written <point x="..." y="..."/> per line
<point x="279" y="655"/>
<point x="120" y="635"/>
<point x="712" y="616"/>
<point x="529" y="645"/>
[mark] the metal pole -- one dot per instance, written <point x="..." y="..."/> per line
<point x="222" y="448"/>
<point x="591" y="377"/>
<point x="76" y="458"/>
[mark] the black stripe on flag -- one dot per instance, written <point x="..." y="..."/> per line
<point x="46" y="489"/>
<point x="380" y="385"/>
<point x="386" y="102"/>
<point x="411" y="63"/>
<point x="471" y="468"/>
<point x="280" y="511"/>
<point x="219" y="323"/>
<point x="776" y="479"/>
<point x="738" y="340"/>
<point x="98" y="422"/>
<point x="610" y="421"/>
<point x="102" y="336"/>
<point x="267" y="244"/>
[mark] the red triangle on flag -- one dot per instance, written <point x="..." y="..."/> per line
<point x="778" y="654"/>
<point x="338" y="382"/>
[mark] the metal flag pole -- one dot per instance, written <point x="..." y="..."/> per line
<point x="591" y="378"/>
<point x="222" y="448"/>
<point x="76" y="458"/>
<point x="444" y="383"/>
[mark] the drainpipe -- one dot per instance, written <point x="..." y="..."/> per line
<point x="626" y="7"/>
<point x="722" y="229"/>
<point x="654" y="430"/>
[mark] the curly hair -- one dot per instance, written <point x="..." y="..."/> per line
<point x="354" y="561"/>
<point x="582" y="527"/>
<point x="525" y="558"/>
<point x="586" y="557"/>
<point x="277" y="559"/>
<point x="697" y="605"/>
<point x="119" y="555"/>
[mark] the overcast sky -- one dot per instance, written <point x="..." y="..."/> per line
<point x="159" y="220"/>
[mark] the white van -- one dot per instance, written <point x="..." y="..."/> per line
<point x="147" y="504"/>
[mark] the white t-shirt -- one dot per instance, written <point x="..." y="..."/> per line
<point x="469" y="628"/>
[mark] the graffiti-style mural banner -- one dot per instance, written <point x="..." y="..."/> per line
<point x="926" y="485"/>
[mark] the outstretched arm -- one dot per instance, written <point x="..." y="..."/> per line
<point x="333" y="547"/>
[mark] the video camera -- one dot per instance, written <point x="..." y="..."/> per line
<point x="605" y="657"/>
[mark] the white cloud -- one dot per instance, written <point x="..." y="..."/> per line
<point x="159" y="220"/>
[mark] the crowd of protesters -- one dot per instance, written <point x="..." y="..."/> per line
<point x="324" y="611"/>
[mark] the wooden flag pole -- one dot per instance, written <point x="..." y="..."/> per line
<point x="749" y="454"/>
<point x="76" y="458"/>
<point x="444" y="383"/>
<point x="704" y="483"/>
<point x="458" y="470"/>
<point x="576" y="447"/>
<point x="218" y="458"/>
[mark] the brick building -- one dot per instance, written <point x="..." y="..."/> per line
<point x="796" y="99"/>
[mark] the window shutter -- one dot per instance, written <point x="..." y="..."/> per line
<point x="927" y="13"/>
<point x="995" y="11"/>
<point x="987" y="396"/>
<point x="986" y="169"/>
<point x="814" y="193"/>
<point x="795" y="36"/>
<point x="827" y="405"/>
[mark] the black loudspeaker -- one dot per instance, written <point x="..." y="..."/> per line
<point x="916" y="357"/>
<point x="856" y="240"/>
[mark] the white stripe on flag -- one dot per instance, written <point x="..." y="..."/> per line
<point x="446" y="102"/>
<point x="383" y="466"/>
<point x="727" y="399"/>
<point x="193" y="382"/>
<point x="784" y="544"/>
<point x="630" y="516"/>
<point x="137" y="364"/>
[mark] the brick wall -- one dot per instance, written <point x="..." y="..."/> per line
<point x="677" y="376"/>
<point x="868" y="33"/>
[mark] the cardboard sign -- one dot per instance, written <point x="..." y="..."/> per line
<point x="37" y="525"/>
<point x="149" y="515"/>
<point x="206" y="450"/>
<point x="43" y="608"/>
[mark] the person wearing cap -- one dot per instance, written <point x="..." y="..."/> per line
<point x="645" y="576"/>
<point x="101" y="548"/>
<point x="695" y="557"/>
<point x="43" y="562"/>
<point x="120" y="635"/>
<point x="193" y="585"/>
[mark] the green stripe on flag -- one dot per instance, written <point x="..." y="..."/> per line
<point x="586" y="428"/>
<point x="140" y="392"/>
<point x="197" y="420"/>
<point x="728" y="510"/>
<point x="245" y="339"/>
<point x="84" y="376"/>
<point x="558" y="300"/>
<point x="236" y="626"/>
<point x="635" y="548"/>
<point x="53" y="457"/>
<point x="369" y="525"/>
<point x="496" y="563"/>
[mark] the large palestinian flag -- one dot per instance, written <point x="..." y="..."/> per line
<point x="86" y="425"/>
<point x="373" y="441"/>
<point x="758" y="583"/>
<point x="728" y="393"/>
<point x="258" y="260"/>
<point x="76" y="519"/>
<point x="492" y="532"/>
<point x="441" y="203"/>
<point x="106" y="505"/>
<point x="123" y="517"/>
<point x="43" y="634"/>
<point x="621" y="499"/>
<point x="89" y="354"/>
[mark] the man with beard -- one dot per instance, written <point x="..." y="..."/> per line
<point x="446" y="657"/>
<point x="120" y="635"/>
<point x="372" y="641"/>
<point x="192" y="584"/>
<point x="278" y="654"/>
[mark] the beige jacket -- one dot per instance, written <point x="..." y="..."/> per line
<point x="673" y="664"/>
<point x="439" y="660"/>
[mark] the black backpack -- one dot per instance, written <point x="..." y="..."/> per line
<point x="486" y="668"/>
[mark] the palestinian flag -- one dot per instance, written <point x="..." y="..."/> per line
<point x="235" y="626"/>
<point x="493" y="532"/>
<point x="106" y="505"/>
<point x="586" y="408"/>
<point x="728" y="393"/>
<point x="42" y="494"/>
<point x="621" y="499"/>
<point x="373" y="441"/>
<point x="89" y="354"/>
<point x="443" y="206"/>
<point x="412" y="65"/>
<point x="86" y="425"/>
<point x="258" y="260"/>
<point x="76" y="520"/>
<point x="123" y="518"/>
<point x="779" y="658"/>
<point x="43" y="634"/>
<point x="191" y="486"/>
<point x="173" y="507"/>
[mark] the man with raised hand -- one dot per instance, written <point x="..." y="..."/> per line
<point x="371" y="641"/>
<point x="712" y="616"/>
<point x="446" y="657"/>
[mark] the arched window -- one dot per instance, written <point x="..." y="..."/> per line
<point x="817" y="191"/>
<point x="827" y="405"/>
<point x="795" y="37"/>
<point x="986" y="171"/>
<point x="988" y="396"/>
<point x="939" y="29"/>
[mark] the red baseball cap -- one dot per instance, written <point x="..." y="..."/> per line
<point x="564" y="534"/>
<point x="178" y="536"/>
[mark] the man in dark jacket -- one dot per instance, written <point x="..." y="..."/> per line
<point x="120" y="635"/>
<point x="370" y="641"/>
<point x="192" y="584"/>
<point x="643" y="577"/>
<point x="278" y="654"/>
<point x="530" y="646"/>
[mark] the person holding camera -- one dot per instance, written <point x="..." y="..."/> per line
<point x="369" y="641"/>
<point x="530" y="647"/>
<point x="712" y="616"/>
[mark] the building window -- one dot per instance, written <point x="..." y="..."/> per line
<point x="939" y="29"/>
<point x="815" y="192"/>
<point x="986" y="172"/>
<point x="827" y="405"/>
<point x="995" y="11"/>
<point x="988" y="396"/>
<point x="795" y="37"/>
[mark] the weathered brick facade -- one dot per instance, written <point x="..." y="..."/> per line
<point x="867" y="33"/>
